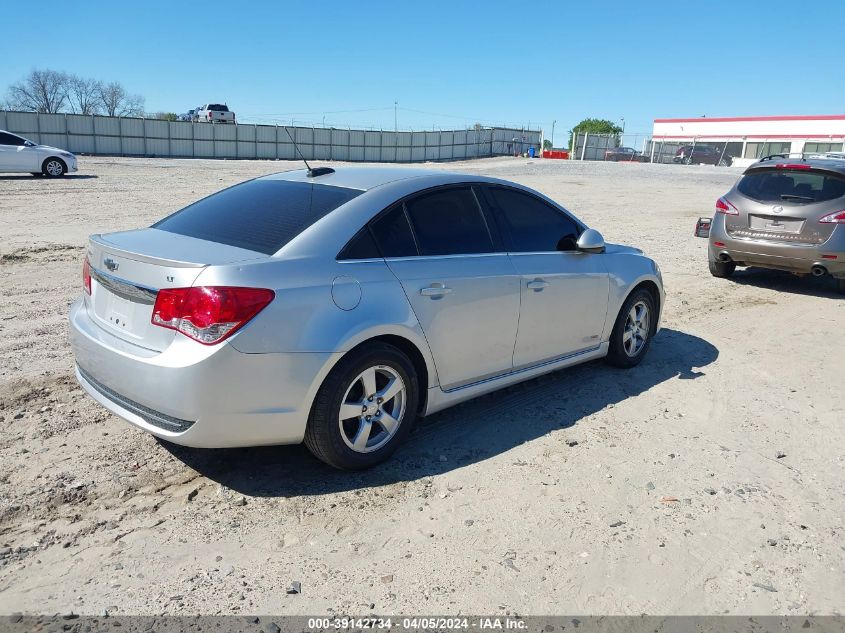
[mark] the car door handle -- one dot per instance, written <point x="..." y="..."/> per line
<point x="537" y="284"/>
<point x="435" y="291"/>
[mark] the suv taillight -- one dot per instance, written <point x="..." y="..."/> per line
<point x="837" y="217"/>
<point x="209" y="115"/>
<point x="724" y="206"/>
<point x="209" y="314"/>
<point x="86" y="276"/>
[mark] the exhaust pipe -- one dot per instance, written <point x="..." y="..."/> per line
<point x="818" y="271"/>
<point x="724" y="258"/>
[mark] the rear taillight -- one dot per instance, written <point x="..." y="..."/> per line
<point x="209" y="115"/>
<point x="209" y="314"/>
<point x="837" y="217"/>
<point x="86" y="276"/>
<point x="724" y="206"/>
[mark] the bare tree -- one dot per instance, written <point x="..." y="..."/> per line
<point x="40" y="91"/>
<point x="116" y="101"/>
<point x="84" y="95"/>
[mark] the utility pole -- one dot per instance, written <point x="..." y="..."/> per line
<point x="553" y="134"/>
<point x="395" y="116"/>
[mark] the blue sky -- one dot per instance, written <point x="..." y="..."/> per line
<point x="448" y="64"/>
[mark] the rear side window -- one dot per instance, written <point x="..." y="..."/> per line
<point x="798" y="185"/>
<point x="362" y="246"/>
<point x="530" y="225"/>
<point x="259" y="215"/>
<point x="449" y="222"/>
<point x="217" y="107"/>
<point x="393" y="233"/>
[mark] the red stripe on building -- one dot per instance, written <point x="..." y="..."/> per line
<point x="820" y="117"/>
<point x="773" y="137"/>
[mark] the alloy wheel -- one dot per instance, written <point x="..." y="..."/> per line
<point x="54" y="168"/>
<point x="636" y="330"/>
<point x="372" y="409"/>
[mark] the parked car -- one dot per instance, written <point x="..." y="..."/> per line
<point x="625" y="154"/>
<point x="18" y="154"/>
<point x="785" y="214"/>
<point x="335" y="307"/>
<point x="701" y="154"/>
<point x="214" y="113"/>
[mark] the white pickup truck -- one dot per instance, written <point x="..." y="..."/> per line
<point x="214" y="113"/>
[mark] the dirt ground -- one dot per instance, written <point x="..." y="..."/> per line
<point x="707" y="480"/>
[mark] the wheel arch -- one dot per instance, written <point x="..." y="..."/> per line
<point x="654" y="290"/>
<point x="420" y="358"/>
<point x="49" y="158"/>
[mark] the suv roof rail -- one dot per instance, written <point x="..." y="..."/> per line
<point x="805" y="155"/>
<point x="788" y="155"/>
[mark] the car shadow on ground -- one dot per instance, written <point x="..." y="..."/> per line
<point x="465" y="434"/>
<point x="787" y="282"/>
<point x="43" y="179"/>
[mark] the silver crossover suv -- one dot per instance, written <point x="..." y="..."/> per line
<point x="784" y="213"/>
<point x="335" y="307"/>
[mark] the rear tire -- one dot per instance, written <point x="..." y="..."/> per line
<point x="633" y="330"/>
<point x="722" y="269"/>
<point x="840" y="285"/>
<point x="378" y="422"/>
<point x="54" y="168"/>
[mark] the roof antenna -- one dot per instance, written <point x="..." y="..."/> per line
<point x="312" y="173"/>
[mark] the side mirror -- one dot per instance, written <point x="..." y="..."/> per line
<point x="29" y="144"/>
<point x="590" y="241"/>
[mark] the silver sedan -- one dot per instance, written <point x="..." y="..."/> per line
<point x="334" y="307"/>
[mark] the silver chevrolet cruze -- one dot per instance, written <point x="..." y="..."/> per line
<point x="335" y="306"/>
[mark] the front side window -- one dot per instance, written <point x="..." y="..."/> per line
<point x="530" y="225"/>
<point x="258" y="215"/>
<point x="449" y="222"/>
<point x="11" y="139"/>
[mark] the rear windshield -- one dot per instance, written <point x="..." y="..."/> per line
<point x="799" y="185"/>
<point x="217" y="107"/>
<point x="259" y="215"/>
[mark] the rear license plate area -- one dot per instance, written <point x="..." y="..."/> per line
<point x="774" y="223"/>
<point x="119" y="312"/>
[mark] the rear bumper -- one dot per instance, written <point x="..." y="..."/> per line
<point x="196" y="395"/>
<point x="797" y="258"/>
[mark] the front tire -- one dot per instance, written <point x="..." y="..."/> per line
<point x="364" y="409"/>
<point x="722" y="269"/>
<point x="634" y="328"/>
<point x="54" y="168"/>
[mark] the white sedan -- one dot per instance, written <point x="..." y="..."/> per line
<point x="18" y="154"/>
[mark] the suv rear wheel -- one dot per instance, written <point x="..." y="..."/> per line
<point x="722" y="269"/>
<point x="365" y="408"/>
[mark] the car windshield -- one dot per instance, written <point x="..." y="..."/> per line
<point x="258" y="215"/>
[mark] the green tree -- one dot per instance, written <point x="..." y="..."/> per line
<point x="165" y="116"/>
<point x="593" y="126"/>
<point x="547" y="144"/>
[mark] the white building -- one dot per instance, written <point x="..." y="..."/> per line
<point x="755" y="137"/>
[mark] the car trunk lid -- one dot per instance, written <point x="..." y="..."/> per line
<point x="129" y="268"/>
